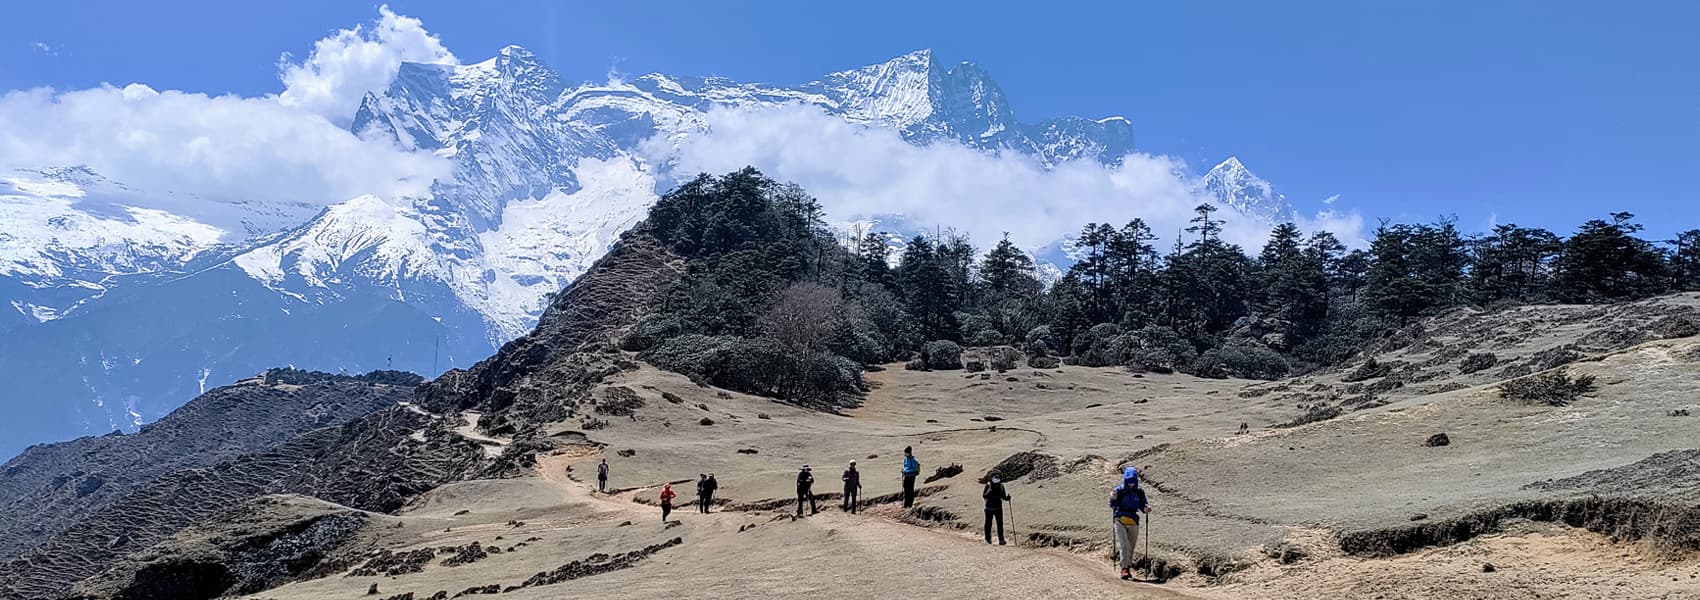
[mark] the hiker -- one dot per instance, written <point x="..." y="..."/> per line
<point x="1127" y="502"/>
<point x="709" y="486"/>
<point x="852" y="487"/>
<point x="995" y="496"/>
<point x="702" y="492"/>
<point x="666" y="500"/>
<point x="805" y="490"/>
<point x="911" y="468"/>
<point x="602" y="476"/>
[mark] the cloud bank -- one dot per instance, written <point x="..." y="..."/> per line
<point x="347" y="64"/>
<point x="860" y="171"/>
<point x="285" y="150"/>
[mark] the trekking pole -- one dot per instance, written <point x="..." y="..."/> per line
<point x="1148" y="540"/>
<point x="1011" y="518"/>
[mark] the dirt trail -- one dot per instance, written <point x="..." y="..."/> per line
<point x="938" y="556"/>
<point x="469" y="429"/>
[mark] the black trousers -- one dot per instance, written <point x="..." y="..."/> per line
<point x="908" y="490"/>
<point x="994" y="514"/>
<point x="666" y="509"/>
<point x="601" y="484"/>
<point x="810" y="496"/>
<point x="705" y="502"/>
<point x="851" y="495"/>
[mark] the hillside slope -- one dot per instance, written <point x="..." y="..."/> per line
<point x="51" y="486"/>
<point x="1601" y="497"/>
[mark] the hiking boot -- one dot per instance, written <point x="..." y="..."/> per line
<point x="1126" y="574"/>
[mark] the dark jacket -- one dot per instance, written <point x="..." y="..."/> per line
<point x="805" y="481"/>
<point x="601" y="470"/>
<point x="852" y="479"/>
<point x="710" y="485"/>
<point x="995" y="495"/>
<point x="1127" y="500"/>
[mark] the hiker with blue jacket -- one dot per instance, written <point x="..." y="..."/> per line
<point x="911" y="468"/>
<point x="1127" y="502"/>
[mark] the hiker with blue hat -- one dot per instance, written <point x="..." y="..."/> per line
<point x="1127" y="502"/>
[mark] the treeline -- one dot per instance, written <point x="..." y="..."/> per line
<point x="771" y="303"/>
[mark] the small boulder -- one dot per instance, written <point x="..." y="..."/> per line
<point x="1489" y="568"/>
<point x="1437" y="440"/>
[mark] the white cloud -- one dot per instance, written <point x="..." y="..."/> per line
<point x="212" y="151"/>
<point x="350" y="62"/>
<point x="858" y="171"/>
<point x="45" y="48"/>
<point x="1331" y="199"/>
<point x="229" y="160"/>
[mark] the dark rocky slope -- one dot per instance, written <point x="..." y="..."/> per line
<point x="382" y="460"/>
<point x="50" y="486"/>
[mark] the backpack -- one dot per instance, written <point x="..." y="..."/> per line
<point x="1128" y="501"/>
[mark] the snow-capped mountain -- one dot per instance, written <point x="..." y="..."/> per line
<point x="141" y="298"/>
<point x="1236" y="187"/>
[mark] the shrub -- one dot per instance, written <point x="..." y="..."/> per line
<point x="1369" y="370"/>
<point x="1044" y="362"/>
<point x="985" y="337"/>
<point x="760" y="366"/>
<point x="1003" y="358"/>
<point x="1316" y="414"/>
<point x="973" y="366"/>
<point x="651" y="331"/>
<point x="1094" y="338"/>
<point x="1242" y="360"/>
<point x="1477" y="362"/>
<point x="1157" y="349"/>
<point x="942" y="355"/>
<point x="1552" y="388"/>
<point x="915" y="365"/>
<point x="1041" y="342"/>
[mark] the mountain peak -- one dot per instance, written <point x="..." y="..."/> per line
<point x="514" y="52"/>
<point x="1231" y="165"/>
<point x="1232" y="184"/>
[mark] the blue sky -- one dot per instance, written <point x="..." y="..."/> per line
<point x="1542" y="113"/>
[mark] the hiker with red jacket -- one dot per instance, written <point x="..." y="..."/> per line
<point x="667" y="496"/>
<point x="1127" y="503"/>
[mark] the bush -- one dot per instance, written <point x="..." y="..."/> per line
<point x="1315" y="414"/>
<point x="973" y="366"/>
<point x="1041" y="342"/>
<point x="1477" y="361"/>
<point x="1369" y="370"/>
<point x="1242" y="360"/>
<point x="942" y="355"/>
<point x="1552" y="388"/>
<point x="985" y="337"/>
<point x="1157" y="349"/>
<point x="1044" y="362"/>
<point x="1087" y="341"/>
<point x="761" y="366"/>
<point x="652" y="330"/>
<point x="1152" y="348"/>
<point x="1003" y="358"/>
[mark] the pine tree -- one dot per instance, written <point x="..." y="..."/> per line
<point x="1685" y="260"/>
<point x="1008" y="271"/>
<point x="925" y="279"/>
<point x="1512" y="263"/>
<point x="874" y="255"/>
<point x="1604" y="262"/>
<point x="1293" y="282"/>
<point x="1133" y="281"/>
